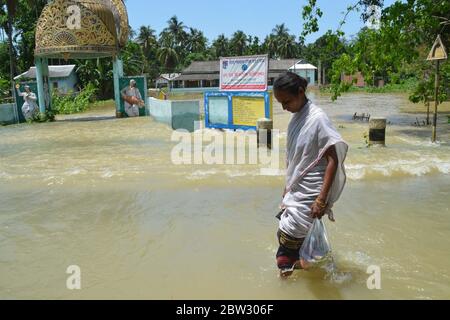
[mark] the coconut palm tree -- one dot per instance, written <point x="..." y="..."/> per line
<point x="177" y="29"/>
<point x="270" y="46"/>
<point x="11" y="7"/>
<point x="280" y="44"/>
<point x="287" y="47"/>
<point x="221" y="46"/>
<point x="253" y="45"/>
<point x="167" y="54"/>
<point x="238" y="43"/>
<point x="196" y="41"/>
<point x="280" y="31"/>
<point x="147" y="39"/>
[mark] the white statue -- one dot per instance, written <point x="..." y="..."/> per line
<point x="29" y="107"/>
<point x="132" y="99"/>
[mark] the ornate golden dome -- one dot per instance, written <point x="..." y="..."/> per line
<point x="81" y="29"/>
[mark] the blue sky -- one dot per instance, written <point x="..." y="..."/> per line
<point x="254" y="17"/>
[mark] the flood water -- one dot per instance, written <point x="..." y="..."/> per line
<point x="104" y="195"/>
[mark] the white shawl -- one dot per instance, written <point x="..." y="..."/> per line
<point x="310" y="135"/>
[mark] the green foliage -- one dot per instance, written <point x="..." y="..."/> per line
<point x="47" y="116"/>
<point x="324" y="51"/>
<point x="204" y="56"/>
<point x="311" y="15"/>
<point x="98" y="72"/>
<point x="238" y="43"/>
<point x="397" y="51"/>
<point x="220" y="47"/>
<point x="69" y="104"/>
<point x="5" y="89"/>
<point x="343" y="65"/>
<point x="133" y="58"/>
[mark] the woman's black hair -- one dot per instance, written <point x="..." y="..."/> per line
<point x="290" y="82"/>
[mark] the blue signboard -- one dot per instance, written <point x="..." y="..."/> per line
<point x="236" y="110"/>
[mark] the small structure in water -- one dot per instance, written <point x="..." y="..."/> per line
<point x="362" y="117"/>
<point x="377" y="131"/>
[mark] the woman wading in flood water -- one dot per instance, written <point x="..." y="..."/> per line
<point x="315" y="175"/>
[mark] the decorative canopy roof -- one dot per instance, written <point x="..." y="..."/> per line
<point x="82" y="29"/>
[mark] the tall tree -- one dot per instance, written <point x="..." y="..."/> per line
<point x="196" y="42"/>
<point x="7" y="24"/>
<point x="167" y="53"/>
<point x="177" y="29"/>
<point x="280" y="31"/>
<point x="287" y="47"/>
<point x="238" y="43"/>
<point x="221" y="46"/>
<point x="147" y="39"/>
<point x="254" y="47"/>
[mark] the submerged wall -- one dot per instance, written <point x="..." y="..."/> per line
<point x="177" y="114"/>
<point x="8" y="114"/>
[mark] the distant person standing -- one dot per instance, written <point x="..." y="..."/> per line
<point x="132" y="99"/>
<point x="29" y="107"/>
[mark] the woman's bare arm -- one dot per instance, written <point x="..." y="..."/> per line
<point x="330" y="155"/>
<point x="330" y="172"/>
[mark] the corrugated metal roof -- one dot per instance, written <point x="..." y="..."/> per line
<point x="63" y="71"/>
<point x="303" y="66"/>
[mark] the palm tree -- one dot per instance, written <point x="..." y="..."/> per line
<point x="280" y="44"/>
<point x="176" y="28"/>
<point x="287" y="47"/>
<point x="131" y="34"/>
<point x="221" y="46"/>
<point x="238" y="43"/>
<point x="270" y="46"/>
<point x="196" y="41"/>
<point x="11" y="6"/>
<point x="167" y="53"/>
<point x="147" y="39"/>
<point x="254" y="46"/>
<point x="280" y="31"/>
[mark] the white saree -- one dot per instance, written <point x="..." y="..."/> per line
<point x="310" y="135"/>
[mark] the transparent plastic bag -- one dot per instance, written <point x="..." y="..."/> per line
<point x="316" y="249"/>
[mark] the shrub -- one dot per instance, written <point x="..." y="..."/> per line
<point x="69" y="104"/>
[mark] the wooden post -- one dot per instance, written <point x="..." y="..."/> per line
<point x="436" y="102"/>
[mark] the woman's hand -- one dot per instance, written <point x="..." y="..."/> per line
<point x="317" y="210"/>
